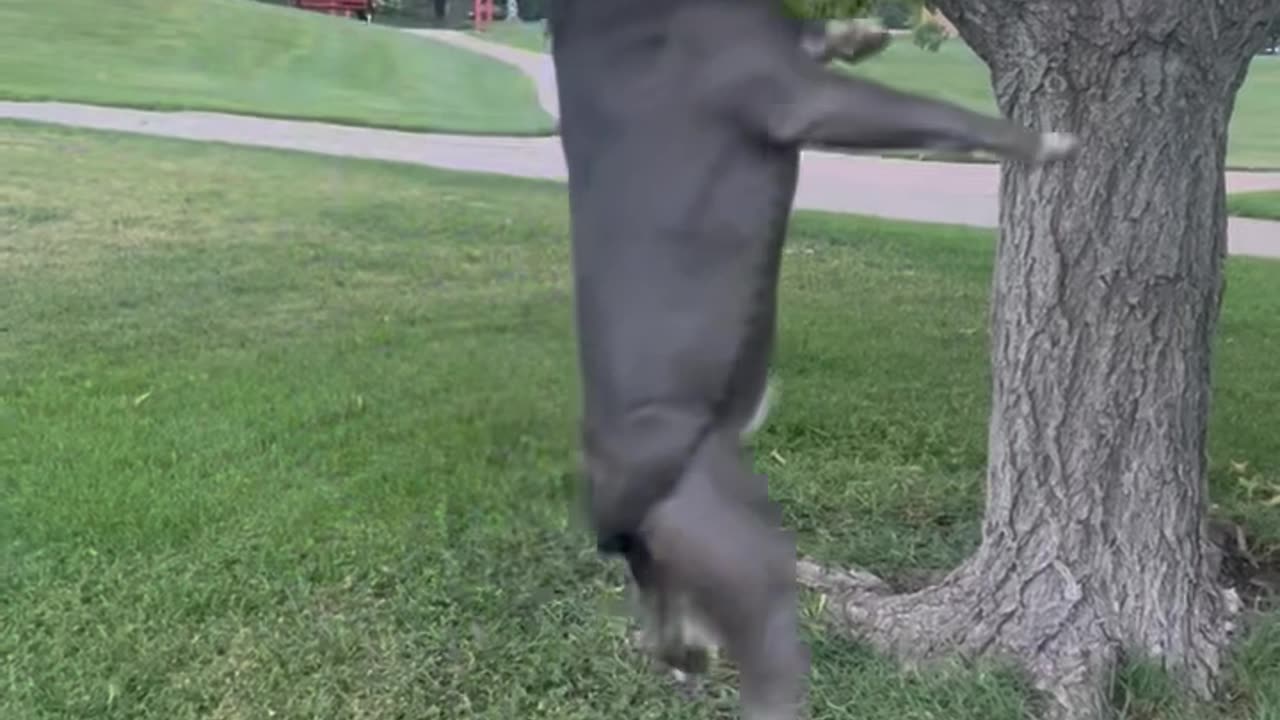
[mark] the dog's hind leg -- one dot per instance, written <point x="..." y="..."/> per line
<point x="717" y="546"/>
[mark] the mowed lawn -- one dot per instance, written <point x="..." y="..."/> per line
<point x="955" y="73"/>
<point x="1263" y="204"/>
<point x="289" y="436"/>
<point x="247" y="57"/>
<point x="524" y="35"/>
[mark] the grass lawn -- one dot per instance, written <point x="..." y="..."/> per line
<point x="1263" y="204"/>
<point x="954" y="73"/>
<point x="524" y="35"/>
<point x="286" y="435"/>
<point x="247" y="57"/>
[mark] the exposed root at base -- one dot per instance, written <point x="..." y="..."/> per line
<point x="1069" y="664"/>
<point x="1045" y="623"/>
<point x="815" y="577"/>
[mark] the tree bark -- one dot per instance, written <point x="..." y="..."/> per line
<point x="1105" y="298"/>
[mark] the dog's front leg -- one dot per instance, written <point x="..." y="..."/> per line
<point x="794" y="101"/>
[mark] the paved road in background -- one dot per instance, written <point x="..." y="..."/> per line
<point x="957" y="193"/>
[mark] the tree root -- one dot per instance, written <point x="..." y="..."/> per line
<point x="815" y="577"/>
<point x="1044" y="622"/>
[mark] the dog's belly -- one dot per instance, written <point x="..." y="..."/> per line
<point x="676" y="281"/>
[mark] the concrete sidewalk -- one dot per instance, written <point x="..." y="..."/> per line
<point x="537" y="66"/>
<point x="962" y="194"/>
<point x="957" y="193"/>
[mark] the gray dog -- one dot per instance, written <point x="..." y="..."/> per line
<point x="682" y="123"/>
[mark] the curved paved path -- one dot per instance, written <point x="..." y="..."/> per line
<point x="958" y="193"/>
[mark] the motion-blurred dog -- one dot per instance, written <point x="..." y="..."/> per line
<point x="682" y="123"/>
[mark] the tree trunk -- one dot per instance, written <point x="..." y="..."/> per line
<point x="1105" y="298"/>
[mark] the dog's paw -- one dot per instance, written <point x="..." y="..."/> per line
<point x="1056" y="146"/>
<point x="856" y="40"/>
<point x="687" y="660"/>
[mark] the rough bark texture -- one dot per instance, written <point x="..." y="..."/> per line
<point x="1105" y="298"/>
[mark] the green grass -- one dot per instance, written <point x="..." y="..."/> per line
<point x="956" y="74"/>
<point x="246" y="57"/>
<point x="1263" y="204"/>
<point x="523" y="35"/>
<point x="285" y="435"/>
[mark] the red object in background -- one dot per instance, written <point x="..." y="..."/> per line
<point x="360" y="9"/>
<point x="482" y="11"/>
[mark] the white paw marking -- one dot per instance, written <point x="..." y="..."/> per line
<point x="1056" y="145"/>
<point x="699" y="634"/>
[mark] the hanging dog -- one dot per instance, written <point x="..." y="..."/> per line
<point x="682" y="123"/>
